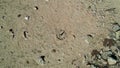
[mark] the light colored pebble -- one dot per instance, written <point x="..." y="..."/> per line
<point x="27" y="17"/>
<point x="88" y="38"/>
<point x="118" y="35"/>
<point x="39" y="61"/>
<point x="103" y="62"/>
<point x="111" y="61"/>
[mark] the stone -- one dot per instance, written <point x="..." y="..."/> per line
<point x="116" y="27"/>
<point x="36" y="7"/>
<point x="111" y="61"/>
<point x="117" y="34"/>
<point x="61" y="34"/>
<point x="40" y="60"/>
<point x="27" y="17"/>
<point x="89" y="38"/>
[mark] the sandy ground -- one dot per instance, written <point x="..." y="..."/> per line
<point x="59" y="31"/>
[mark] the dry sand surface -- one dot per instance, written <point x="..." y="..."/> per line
<point x="53" y="33"/>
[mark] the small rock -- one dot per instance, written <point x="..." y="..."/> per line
<point x="25" y="34"/>
<point x="116" y="27"/>
<point x="118" y="35"/>
<point x="111" y="61"/>
<point x="89" y="38"/>
<point x="27" y="17"/>
<point x="40" y="60"/>
<point x="36" y="7"/>
<point x="103" y="62"/>
<point x="12" y="32"/>
<point x="61" y="34"/>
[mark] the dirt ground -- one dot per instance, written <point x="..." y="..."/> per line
<point x="53" y="33"/>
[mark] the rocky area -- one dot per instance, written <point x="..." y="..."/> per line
<point x="109" y="55"/>
<point x="59" y="33"/>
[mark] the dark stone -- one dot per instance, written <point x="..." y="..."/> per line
<point x="43" y="58"/>
<point x="1" y="27"/>
<point x="54" y="50"/>
<point x="110" y="9"/>
<point x="19" y="15"/>
<point x="89" y="35"/>
<point x="25" y="34"/>
<point x="11" y="30"/>
<point x="27" y="62"/>
<point x="59" y="59"/>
